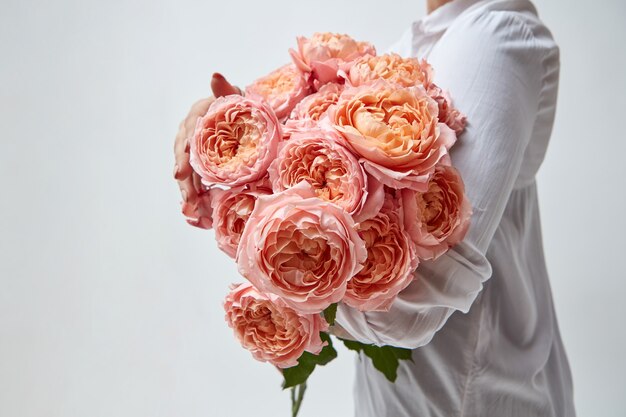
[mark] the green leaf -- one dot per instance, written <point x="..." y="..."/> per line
<point x="299" y="373"/>
<point x="330" y="313"/>
<point x="328" y="352"/>
<point x="384" y="358"/>
<point x="352" y="345"/>
<point x="402" y="353"/>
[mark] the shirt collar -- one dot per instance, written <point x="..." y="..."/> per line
<point x="439" y="20"/>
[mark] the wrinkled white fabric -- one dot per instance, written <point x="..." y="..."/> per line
<point x="480" y="318"/>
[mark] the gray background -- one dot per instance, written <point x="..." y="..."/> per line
<point x="111" y="306"/>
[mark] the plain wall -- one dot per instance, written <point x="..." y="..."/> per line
<point x="110" y="305"/>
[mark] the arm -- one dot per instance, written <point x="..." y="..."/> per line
<point x="492" y="64"/>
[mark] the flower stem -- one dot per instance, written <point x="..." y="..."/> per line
<point x="297" y="395"/>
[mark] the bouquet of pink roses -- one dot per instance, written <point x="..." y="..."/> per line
<point x="327" y="183"/>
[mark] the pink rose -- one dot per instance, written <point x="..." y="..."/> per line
<point x="301" y="248"/>
<point x="235" y="141"/>
<point x="391" y="259"/>
<point x="262" y="185"/>
<point x="269" y="329"/>
<point x="314" y="106"/>
<point x="406" y="72"/>
<point x="395" y="130"/>
<point x="438" y="218"/>
<point x="448" y="114"/>
<point x="324" y="54"/>
<point x="282" y="89"/>
<point x="231" y="210"/>
<point x="320" y="158"/>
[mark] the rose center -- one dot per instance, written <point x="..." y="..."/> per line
<point x="430" y="206"/>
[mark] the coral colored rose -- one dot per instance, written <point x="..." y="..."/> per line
<point x="438" y="218"/>
<point x="320" y="158"/>
<point x="395" y="130"/>
<point x="301" y="248"/>
<point x="235" y="141"/>
<point x="407" y="72"/>
<point x="269" y="329"/>
<point x="391" y="259"/>
<point x="448" y="114"/>
<point x="231" y="210"/>
<point x="282" y="89"/>
<point x="315" y="106"/>
<point x="262" y="185"/>
<point x="324" y="54"/>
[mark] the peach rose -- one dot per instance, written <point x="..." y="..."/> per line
<point x="395" y="130"/>
<point x="315" y="106"/>
<point x="307" y="114"/>
<point x="282" y="89"/>
<point x="407" y="72"/>
<point x="269" y="329"/>
<point x="235" y="141"/>
<point x="231" y="210"/>
<point x="448" y="114"/>
<point x="320" y="158"/>
<point x="301" y="248"/>
<point x="391" y="259"/>
<point x="262" y="185"/>
<point x="324" y="54"/>
<point x="438" y="218"/>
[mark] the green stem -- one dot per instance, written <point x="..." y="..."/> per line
<point x="297" y="395"/>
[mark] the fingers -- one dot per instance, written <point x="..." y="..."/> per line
<point x="195" y="199"/>
<point x="188" y="191"/>
<point x="197" y="182"/>
<point x="182" y="168"/>
<point x="221" y="87"/>
<point x="199" y="211"/>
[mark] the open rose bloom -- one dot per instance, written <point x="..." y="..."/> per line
<point x="282" y="89"/>
<point x="327" y="183"/>
<point x="406" y="72"/>
<point x="301" y="248"/>
<point x="235" y="141"/>
<point x="230" y="212"/>
<point x="391" y="259"/>
<point x="395" y="131"/>
<point x="441" y="214"/>
<point x="323" y="55"/>
<point x="321" y="158"/>
<point x="270" y="330"/>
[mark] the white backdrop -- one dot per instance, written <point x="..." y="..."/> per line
<point x="111" y="306"/>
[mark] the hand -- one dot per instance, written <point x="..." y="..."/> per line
<point x="194" y="206"/>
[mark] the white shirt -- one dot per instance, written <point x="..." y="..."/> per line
<point x="481" y="317"/>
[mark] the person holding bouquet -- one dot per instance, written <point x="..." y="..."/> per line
<point x="480" y="318"/>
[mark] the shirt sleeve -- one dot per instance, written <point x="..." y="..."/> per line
<point x="492" y="66"/>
